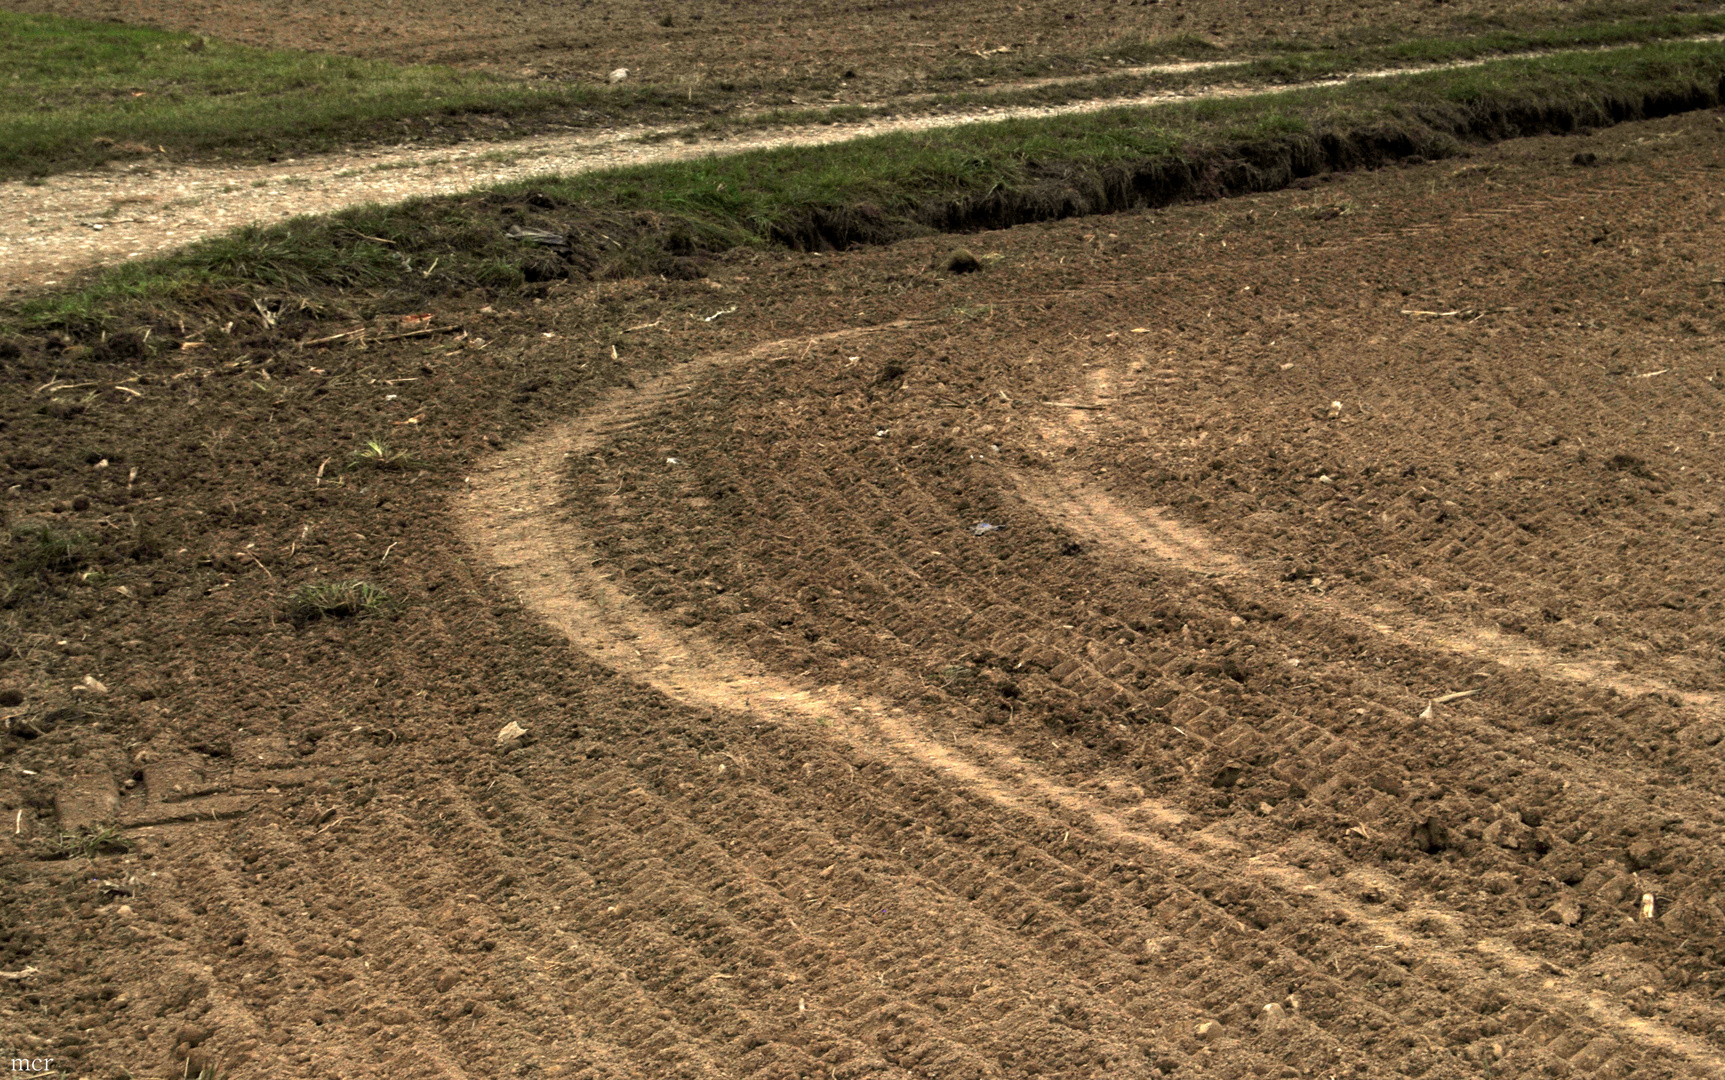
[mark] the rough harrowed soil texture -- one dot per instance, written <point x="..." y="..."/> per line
<point x="1042" y="671"/>
<point x="877" y="43"/>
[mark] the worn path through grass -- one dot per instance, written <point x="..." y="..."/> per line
<point x="51" y="229"/>
<point x="75" y="94"/>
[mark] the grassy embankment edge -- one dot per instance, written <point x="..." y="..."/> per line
<point x="667" y="218"/>
<point x="1288" y="63"/>
<point x="76" y="94"/>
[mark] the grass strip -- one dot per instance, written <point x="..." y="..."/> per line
<point x="1366" y="49"/>
<point x="1298" y="64"/>
<point x="76" y="94"/>
<point x="1285" y="68"/>
<point x="665" y="218"/>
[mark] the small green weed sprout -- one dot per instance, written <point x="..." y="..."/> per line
<point x="89" y="841"/>
<point x="336" y="600"/>
<point x="40" y="548"/>
<point x="378" y="454"/>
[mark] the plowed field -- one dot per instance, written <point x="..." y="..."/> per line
<point x="1278" y="637"/>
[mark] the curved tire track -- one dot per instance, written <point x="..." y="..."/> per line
<point x="511" y="516"/>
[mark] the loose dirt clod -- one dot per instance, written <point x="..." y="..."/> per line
<point x="1566" y="911"/>
<point x="961" y="261"/>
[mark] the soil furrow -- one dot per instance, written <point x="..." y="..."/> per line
<point x="716" y="681"/>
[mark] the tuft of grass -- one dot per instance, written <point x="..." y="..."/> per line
<point x="336" y="600"/>
<point x="377" y="454"/>
<point x="90" y="841"/>
<point x="40" y="549"/>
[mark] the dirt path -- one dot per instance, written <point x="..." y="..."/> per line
<point x="68" y="223"/>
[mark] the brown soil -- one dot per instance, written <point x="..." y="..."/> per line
<point x="876" y="45"/>
<point x="822" y="780"/>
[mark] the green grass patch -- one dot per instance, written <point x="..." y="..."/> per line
<point x="663" y="218"/>
<point x="1297" y="62"/>
<point x="40" y="549"/>
<point x="74" y="94"/>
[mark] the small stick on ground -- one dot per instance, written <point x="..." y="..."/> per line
<point x="419" y="333"/>
<point x="1075" y="405"/>
<point x="332" y="337"/>
<point x="55" y="386"/>
<point x="1457" y="696"/>
<point x="261" y="566"/>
